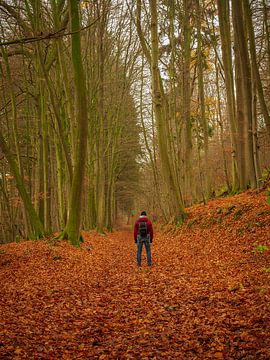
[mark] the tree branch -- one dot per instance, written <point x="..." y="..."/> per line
<point x="41" y="37"/>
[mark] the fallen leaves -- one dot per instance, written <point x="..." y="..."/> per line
<point x="205" y="298"/>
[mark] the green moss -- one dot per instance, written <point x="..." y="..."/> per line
<point x="191" y="223"/>
<point x="264" y="212"/>
<point x="238" y="214"/>
<point x="228" y="209"/>
<point x="260" y="248"/>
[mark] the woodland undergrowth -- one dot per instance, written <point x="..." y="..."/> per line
<point x="206" y="297"/>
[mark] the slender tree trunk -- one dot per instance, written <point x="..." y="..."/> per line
<point x="220" y="123"/>
<point x="244" y="96"/>
<point x="254" y="129"/>
<point x="175" y="203"/>
<point x="45" y="161"/>
<point x="186" y="97"/>
<point x="225" y="30"/>
<point x="60" y="184"/>
<point x="14" y="124"/>
<point x="5" y="203"/>
<point x="202" y="101"/>
<point x="72" y="230"/>
<point x="267" y="36"/>
<point x="148" y="148"/>
<point x="63" y="74"/>
<point x="91" y="203"/>
<point x="102" y="124"/>
<point x="241" y="138"/>
<point x="37" y="226"/>
<point x="254" y="64"/>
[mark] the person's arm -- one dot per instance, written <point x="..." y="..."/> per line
<point x="135" y="232"/>
<point x="151" y="231"/>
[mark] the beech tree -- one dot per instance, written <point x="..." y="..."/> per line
<point x="102" y="103"/>
<point x="72" y="229"/>
<point x="37" y="229"/>
<point x="226" y="44"/>
<point x="175" y="204"/>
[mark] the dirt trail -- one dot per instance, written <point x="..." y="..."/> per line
<point x="207" y="297"/>
<point x="199" y="301"/>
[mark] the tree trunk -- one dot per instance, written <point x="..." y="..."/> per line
<point x="102" y="123"/>
<point x="203" y="120"/>
<point x="225" y="30"/>
<point x="176" y="207"/>
<point x="186" y="98"/>
<point x="37" y="227"/>
<point x="254" y="64"/>
<point x="15" y="137"/>
<point x="244" y="97"/>
<point x="220" y="123"/>
<point x="72" y="230"/>
<point x="267" y="36"/>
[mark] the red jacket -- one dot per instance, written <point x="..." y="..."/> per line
<point x="149" y="227"/>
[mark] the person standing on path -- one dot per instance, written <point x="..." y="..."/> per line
<point x="143" y="235"/>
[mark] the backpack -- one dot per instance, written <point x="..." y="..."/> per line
<point x="143" y="231"/>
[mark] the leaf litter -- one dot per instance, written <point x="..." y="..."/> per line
<point x="206" y="297"/>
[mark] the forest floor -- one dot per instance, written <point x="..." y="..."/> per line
<point x="206" y="297"/>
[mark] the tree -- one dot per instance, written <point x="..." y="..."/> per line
<point x="72" y="229"/>
<point x="37" y="226"/>
<point x="244" y="100"/>
<point x="225" y="31"/>
<point x="175" y="203"/>
<point x="254" y="64"/>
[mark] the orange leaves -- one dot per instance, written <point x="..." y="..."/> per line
<point x="18" y="351"/>
<point x="218" y="355"/>
<point x="205" y="298"/>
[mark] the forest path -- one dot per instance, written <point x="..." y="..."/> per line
<point x="205" y="298"/>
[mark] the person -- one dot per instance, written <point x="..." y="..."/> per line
<point x="143" y="235"/>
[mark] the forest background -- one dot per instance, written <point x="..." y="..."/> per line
<point x="109" y="107"/>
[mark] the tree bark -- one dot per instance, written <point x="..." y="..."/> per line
<point x="176" y="207"/>
<point x="244" y="97"/>
<point x="254" y="64"/>
<point x="186" y="98"/>
<point x="36" y="224"/>
<point x="72" y="230"/>
<point x="225" y="30"/>
<point x="203" y="120"/>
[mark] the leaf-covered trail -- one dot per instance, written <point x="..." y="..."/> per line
<point x="205" y="298"/>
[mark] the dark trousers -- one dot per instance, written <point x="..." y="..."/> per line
<point x="140" y="243"/>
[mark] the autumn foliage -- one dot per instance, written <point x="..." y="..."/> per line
<point x="207" y="296"/>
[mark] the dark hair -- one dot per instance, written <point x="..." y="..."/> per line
<point x="143" y="213"/>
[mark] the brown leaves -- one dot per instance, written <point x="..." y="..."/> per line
<point x="205" y="298"/>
